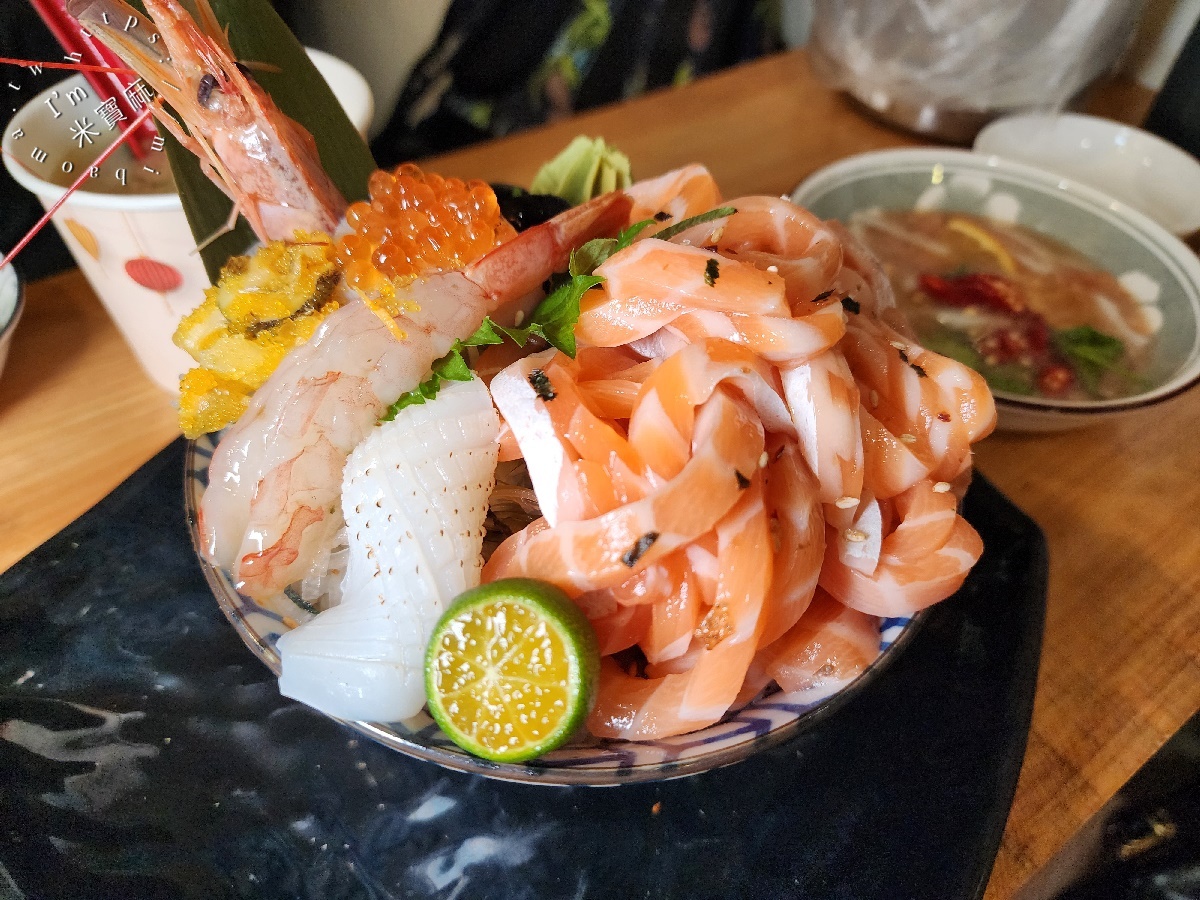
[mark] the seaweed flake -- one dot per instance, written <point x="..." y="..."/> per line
<point x="631" y="556"/>
<point x="540" y="382"/>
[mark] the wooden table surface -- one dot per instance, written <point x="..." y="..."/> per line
<point x="1120" y="670"/>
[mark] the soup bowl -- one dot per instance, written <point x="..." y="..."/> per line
<point x="12" y="302"/>
<point x="1158" y="270"/>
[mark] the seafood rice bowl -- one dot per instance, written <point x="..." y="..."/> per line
<point x="689" y="439"/>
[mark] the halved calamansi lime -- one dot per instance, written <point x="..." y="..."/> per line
<point x="511" y="670"/>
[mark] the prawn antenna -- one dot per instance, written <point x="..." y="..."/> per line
<point x="76" y="67"/>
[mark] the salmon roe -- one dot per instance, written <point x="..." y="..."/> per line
<point x="414" y="224"/>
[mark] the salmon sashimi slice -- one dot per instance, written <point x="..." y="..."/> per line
<point x="824" y="401"/>
<point x="778" y="340"/>
<point x="921" y="571"/>
<point x="673" y="197"/>
<point x="624" y="627"/>
<point x="889" y="466"/>
<point x="635" y="708"/>
<point x="558" y="433"/>
<point x="831" y="644"/>
<point x="602" y="552"/>
<point x="652" y="282"/>
<point x="927" y="519"/>
<point x="798" y="528"/>
<point x="771" y="232"/>
<point x="747" y="463"/>
<point x="858" y="539"/>
<point x="941" y="405"/>
<point x="662" y="422"/>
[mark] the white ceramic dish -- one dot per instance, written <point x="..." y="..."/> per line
<point x="1114" y="236"/>
<point x="12" y="302"/>
<point x="1138" y="168"/>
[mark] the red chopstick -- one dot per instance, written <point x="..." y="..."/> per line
<point x="81" y="47"/>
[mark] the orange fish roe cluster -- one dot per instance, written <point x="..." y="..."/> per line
<point x="417" y="223"/>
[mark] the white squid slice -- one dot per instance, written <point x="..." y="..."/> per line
<point x="415" y="495"/>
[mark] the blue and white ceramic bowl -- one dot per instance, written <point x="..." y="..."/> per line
<point x="1163" y="272"/>
<point x="767" y="721"/>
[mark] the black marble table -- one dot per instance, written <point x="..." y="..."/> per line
<point x="144" y="753"/>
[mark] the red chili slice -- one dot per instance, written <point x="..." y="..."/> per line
<point x="1055" y="379"/>
<point x="975" y="289"/>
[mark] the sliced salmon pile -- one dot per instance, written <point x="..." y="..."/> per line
<point x="749" y="461"/>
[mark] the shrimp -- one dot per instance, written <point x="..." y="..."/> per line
<point x="274" y="480"/>
<point x="415" y="493"/>
<point x="264" y="161"/>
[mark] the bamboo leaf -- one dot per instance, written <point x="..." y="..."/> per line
<point x="207" y="210"/>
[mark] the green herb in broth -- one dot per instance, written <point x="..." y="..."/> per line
<point x="1094" y="356"/>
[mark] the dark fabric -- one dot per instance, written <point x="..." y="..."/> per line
<point x="1175" y="114"/>
<point x="502" y="65"/>
<point x="23" y="36"/>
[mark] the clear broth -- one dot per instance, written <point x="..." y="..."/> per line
<point x="1031" y="314"/>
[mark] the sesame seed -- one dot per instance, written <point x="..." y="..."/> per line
<point x="874" y="399"/>
<point x="519" y="317"/>
<point x="908" y="438"/>
<point x="941" y="487"/>
<point x="763" y="459"/>
<point x="854" y="535"/>
<point x="846" y="502"/>
<point x="774" y="270"/>
<point x="898" y="345"/>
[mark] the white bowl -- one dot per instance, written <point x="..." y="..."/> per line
<point x="1134" y="166"/>
<point x="12" y="302"/>
<point x="348" y="85"/>
<point x="1109" y="233"/>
